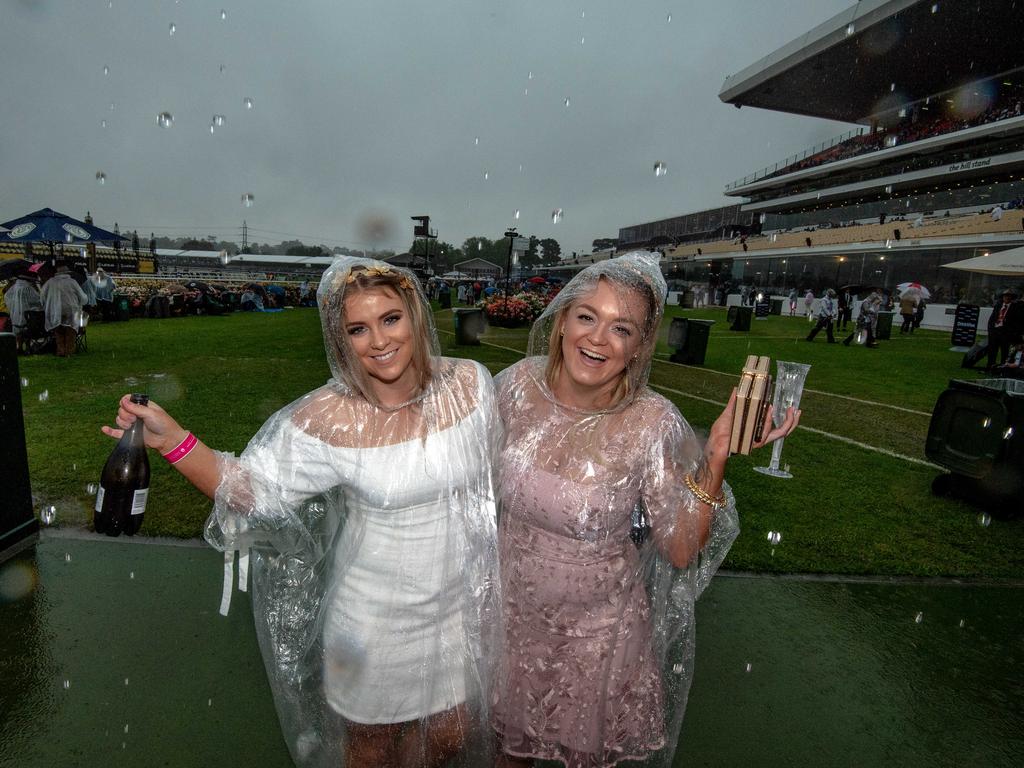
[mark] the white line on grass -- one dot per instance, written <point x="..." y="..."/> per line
<point x="720" y="404"/>
<point x="814" y="391"/>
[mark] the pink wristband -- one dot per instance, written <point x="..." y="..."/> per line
<point x="183" y="449"/>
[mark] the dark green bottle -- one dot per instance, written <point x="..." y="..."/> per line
<point x="124" y="484"/>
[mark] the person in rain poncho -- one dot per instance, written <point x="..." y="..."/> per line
<point x="63" y="299"/>
<point x="369" y="507"/>
<point x="22" y="297"/>
<point x="103" y="286"/>
<point x="614" y="517"/>
<point x="867" y="320"/>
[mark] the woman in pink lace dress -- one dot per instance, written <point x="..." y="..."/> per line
<point x="614" y="517"/>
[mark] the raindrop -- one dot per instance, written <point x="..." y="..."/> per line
<point x="476" y="141"/>
<point x="48" y="514"/>
<point x="850" y="29"/>
<point x="209" y="702"/>
<point x="92" y="489"/>
<point x="526" y="91"/>
<point x="888" y="189"/>
<point x="660" y="169"/>
<point x="892" y="87"/>
<point x="67" y="557"/>
<point x="213" y="129"/>
<point x="223" y="15"/>
<point x="101" y="178"/>
<point x="556" y="215"/>
<point x="919" y="617"/>
<point x="44" y="396"/>
<point x="984" y="519"/>
<point x="935" y="7"/>
<point x="24" y="382"/>
<point x="126" y="727"/>
<point x="106" y="70"/>
<point x="888" y="243"/>
<point x="961" y="623"/>
<point x="131" y="575"/>
<point x="677" y="668"/>
<point x="530" y="76"/>
<point x="774" y="537"/>
<point x="126" y="682"/>
<point x="111" y="106"/>
<point x="103" y="123"/>
<point x="567" y="101"/>
<point x="517" y="214"/>
<point x="487" y="175"/>
<point x="669" y="18"/>
<point x="172" y="29"/>
<point x="520" y="167"/>
<point x="248" y="199"/>
<point x="986" y="422"/>
<point x="1008" y="433"/>
<point x="479" y="246"/>
<point x="903" y="112"/>
<point x="749" y="666"/>
<point x="583" y="40"/>
<point x="218" y="120"/>
<point x="890" y="140"/>
<point x="583" y="14"/>
<point x="247" y="102"/>
<point x="165" y="119"/>
<point x="67" y="684"/>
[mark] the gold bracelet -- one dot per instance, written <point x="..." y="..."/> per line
<point x="715" y="502"/>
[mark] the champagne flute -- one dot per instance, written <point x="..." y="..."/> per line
<point x="789" y="388"/>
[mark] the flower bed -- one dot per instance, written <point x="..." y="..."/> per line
<point x="512" y="312"/>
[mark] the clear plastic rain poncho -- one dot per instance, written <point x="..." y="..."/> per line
<point x="63" y="299"/>
<point x="22" y="297"/>
<point x="599" y="644"/>
<point x="372" y="532"/>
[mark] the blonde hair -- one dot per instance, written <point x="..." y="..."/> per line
<point x="362" y="279"/>
<point x="556" y="357"/>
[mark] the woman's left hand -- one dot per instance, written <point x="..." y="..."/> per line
<point x="717" y="447"/>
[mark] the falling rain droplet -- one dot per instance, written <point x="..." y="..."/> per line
<point x="850" y="29"/>
<point x="91" y="489"/>
<point x="476" y="141"/>
<point x="583" y="40"/>
<point x="103" y="123"/>
<point x="935" y="7"/>
<point x="44" y="396"/>
<point x="556" y="215"/>
<point x="961" y="623"/>
<point x="67" y="559"/>
<point x="221" y="68"/>
<point x="131" y="575"/>
<point x="984" y="519"/>
<point x="487" y="175"/>
<point x="67" y="684"/>
<point x="101" y="178"/>
<point x="223" y="15"/>
<point x="111" y="106"/>
<point x="892" y="87"/>
<point x="165" y="119"/>
<point x="126" y="727"/>
<point x="172" y="29"/>
<point x="749" y="666"/>
<point x="213" y="129"/>
<point x="677" y="668"/>
<point x="890" y="141"/>
<point x="520" y="167"/>
<point x="888" y="189"/>
<point x="209" y="702"/>
<point x="583" y="14"/>
<point x="919" y="617"/>
<point x="106" y="70"/>
<point x="479" y="246"/>
<point x="126" y="682"/>
<point x="24" y="382"/>
<point x="517" y="214"/>
<point x="530" y="76"/>
<point x="669" y="18"/>
<point x="567" y="101"/>
<point x="48" y="514"/>
<point x="218" y="120"/>
<point x="248" y="199"/>
<point x="247" y="102"/>
<point x="660" y="169"/>
<point x="774" y="537"/>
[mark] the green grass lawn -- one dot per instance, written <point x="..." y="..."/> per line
<point x="847" y="510"/>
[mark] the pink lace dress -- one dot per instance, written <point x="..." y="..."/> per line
<point x="592" y="620"/>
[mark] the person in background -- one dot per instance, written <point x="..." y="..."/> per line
<point x="304" y="293"/>
<point x="22" y="297"/>
<point x="808" y="302"/>
<point x="919" y="312"/>
<point x="461" y="292"/>
<point x="1005" y="325"/>
<point x="792" y="302"/>
<point x="103" y="289"/>
<point x="63" y="300"/>
<point x="867" y="320"/>
<point x="908" y="309"/>
<point x="845" y="310"/>
<point x="826" y="316"/>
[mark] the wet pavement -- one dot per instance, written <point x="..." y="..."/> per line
<point x="114" y="654"/>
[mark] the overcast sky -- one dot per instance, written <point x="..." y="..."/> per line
<point x="367" y="108"/>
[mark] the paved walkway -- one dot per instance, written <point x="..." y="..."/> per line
<point x="114" y="654"/>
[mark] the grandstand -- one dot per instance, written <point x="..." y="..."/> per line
<point x="931" y="173"/>
<point x="209" y="265"/>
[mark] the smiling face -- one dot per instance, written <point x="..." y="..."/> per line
<point x="600" y="334"/>
<point x="379" y="330"/>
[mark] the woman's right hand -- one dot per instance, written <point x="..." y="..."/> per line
<point x="160" y="431"/>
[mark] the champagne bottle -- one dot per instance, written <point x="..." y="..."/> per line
<point x="124" y="484"/>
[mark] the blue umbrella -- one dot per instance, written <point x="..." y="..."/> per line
<point x="49" y="226"/>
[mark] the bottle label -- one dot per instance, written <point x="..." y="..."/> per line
<point x="99" y="499"/>
<point x="139" y="501"/>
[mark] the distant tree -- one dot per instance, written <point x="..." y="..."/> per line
<point x="552" y="250"/>
<point x="304" y="250"/>
<point x="197" y="245"/>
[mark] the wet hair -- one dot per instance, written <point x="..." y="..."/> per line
<point x="363" y="279"/>
<point x="644" y="351"/>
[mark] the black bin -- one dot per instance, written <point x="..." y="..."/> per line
<point x="977" y="432"/>
<point x="761" y="310"/>
<point x="469" y="324"/>
<point x="742" y="318"/>
<point x="689" y="339"/>
<point x="19" y="528"/>
<point x="445" y="300"/>
<point x="122" y="307"/>
<point x="776" y="308"/>
<point x="884" y="328"/>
